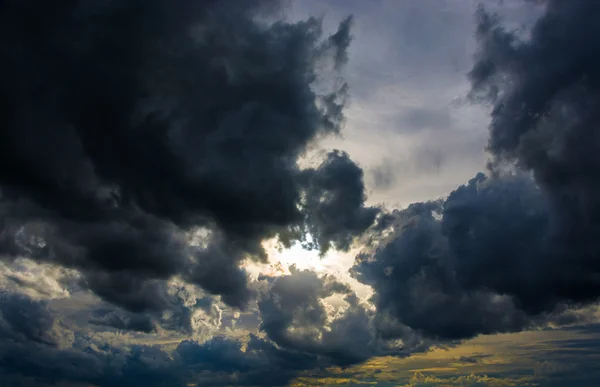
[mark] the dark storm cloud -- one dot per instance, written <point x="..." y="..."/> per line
<point x="485" y="260"/>
<point x="294" y="316"/>
<point x="545" y="94"/>
<point x="295" y="301"/>
<point x="149" y="142"/>
<point x="417" y="281"/>
<point x="334" y="202"/>
<point x="129" y="126"/>
<point x="511" y="251"/>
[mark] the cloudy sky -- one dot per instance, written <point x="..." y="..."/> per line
<point x="299" y="193"/>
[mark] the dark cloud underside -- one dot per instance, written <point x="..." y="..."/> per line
<point x="129" y="126"/>
<point x="146" y="142"/>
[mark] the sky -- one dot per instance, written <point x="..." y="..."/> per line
<point x="299" y="193"/>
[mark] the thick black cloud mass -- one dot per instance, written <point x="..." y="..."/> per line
<point x="334" y="202"/>
<point x="442" y="270"/>
<point x="153" y="145"/>
<point x="546" y="94"/>
<point x="143" y="140"/>
<point x="545" y="118"/>
<point x="510" y="251"/>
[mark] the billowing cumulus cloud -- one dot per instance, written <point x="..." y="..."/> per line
<point x="443" y="269"/>
<point x="295" y="316"/>
<point x="35" y="344"/>
<point x="26" y="320"/>
<point x="545" y="92"/>
<point x="180" y="308"/>
<point x="147" y="150"/>
<point x="130" y="129"/>
<point x="513" y="250"/>
<point x="334" y="202"/>
<point x="36" y="351"/>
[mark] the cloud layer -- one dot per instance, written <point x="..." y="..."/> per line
<point x="148" y="150"/>
<point x="150" y="140"/>
<point x="513" y="250"/>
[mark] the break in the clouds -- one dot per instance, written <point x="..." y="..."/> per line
<point x="509" y="251"/>
<point x="149" y="149"/>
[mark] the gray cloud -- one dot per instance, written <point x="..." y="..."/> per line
<point x="335" y="202"/>
<point x="35" y="345"/>
<point x="485" y="260"/>
<point x="26" y="320"/>
<point x="415" y="277"/>
<point x="36" y="348"/>
<point x="294" y="316"/>
<point x="398" y="170"/>
<point x="509" y="252"/>
<point x="423" y="118"/>
<point x="152" y="147"/>
<point x="132" y="126"/>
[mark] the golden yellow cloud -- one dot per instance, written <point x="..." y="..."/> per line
<point x="494" y="361"/>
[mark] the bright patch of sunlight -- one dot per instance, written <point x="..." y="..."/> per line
<point x="337" y="263"/>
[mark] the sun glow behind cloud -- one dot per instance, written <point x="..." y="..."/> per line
<point x="335" y="263"/>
